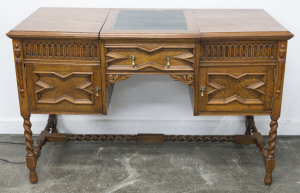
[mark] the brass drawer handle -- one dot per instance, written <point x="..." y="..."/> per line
<point x="133" y="58"/>
<point x="202" y="89"/>
<point x="168" y="58"/>
<point x="97" y="89"/>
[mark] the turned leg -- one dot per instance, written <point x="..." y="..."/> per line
<point x="250" y="125"/>
<point x="248" y="121"/>
<point x="270" y="155"/>
<point x="41" y="141"/>
<point x="30" y="158"/>
<point x="53" y="120"/>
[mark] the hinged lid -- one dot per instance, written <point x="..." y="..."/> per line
<point x="61" y="23"/>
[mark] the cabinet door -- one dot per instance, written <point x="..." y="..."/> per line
<point x="64" y="88"/>
<point x="236" y="89"/>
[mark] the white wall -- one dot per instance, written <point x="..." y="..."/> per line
<point x="154" y="104"/>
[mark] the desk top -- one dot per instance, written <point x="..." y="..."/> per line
<point x="62" y="22"/>
<point x="97" y="23"/>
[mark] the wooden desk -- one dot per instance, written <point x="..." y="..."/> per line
<point x="68" y="60"/>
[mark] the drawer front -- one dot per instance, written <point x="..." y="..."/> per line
<point x="150" y="56"/>
<point x="60" y="88"/>
<point x="236" y="89"/>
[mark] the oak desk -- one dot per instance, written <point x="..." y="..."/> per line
<point x="67" y="61"/>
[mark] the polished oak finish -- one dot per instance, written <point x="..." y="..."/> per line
<point x="67" y="61"/>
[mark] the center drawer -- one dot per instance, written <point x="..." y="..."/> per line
<point x="150" y="56"/>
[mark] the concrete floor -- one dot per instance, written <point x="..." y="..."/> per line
<point x="168" y="167"/>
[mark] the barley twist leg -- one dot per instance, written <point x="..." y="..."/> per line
<point x="270" y="157"/>
<point x="31" y="157"/>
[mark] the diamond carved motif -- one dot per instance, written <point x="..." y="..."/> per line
<point x="63" y="87"/>
<point x="111" y="56"/>
<point x="247" y="88"/>
<point x="150" y="58"/>
<point x="188" y="57"/>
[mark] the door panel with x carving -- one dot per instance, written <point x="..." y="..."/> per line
<point x="65" y="89"/>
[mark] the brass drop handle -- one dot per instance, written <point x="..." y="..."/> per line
<point x="168" y="58"/>
<point x="202" y="89"/>
<point x="133" y="58"/>
<point x="97" y="89"/>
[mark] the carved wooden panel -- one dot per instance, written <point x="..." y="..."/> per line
<point x="55" y="49"/>
<point x="74" y="87"/>
<point x="231" y="89"/>
<point x="150" y="57"/>
<point x="63" y="88"/>
<point x="214" y="51"/>
<point x="246" y="88"/>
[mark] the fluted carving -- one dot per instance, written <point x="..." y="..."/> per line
<point x="238" y="50"/>
<point x="80" y="50"/>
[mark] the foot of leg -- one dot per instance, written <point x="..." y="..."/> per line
<point x="31" y="164"/>
<point x="268" y="177"/>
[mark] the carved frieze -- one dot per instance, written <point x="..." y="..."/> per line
<point x="81" y="50"/>
<point x="211" y="51"/>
